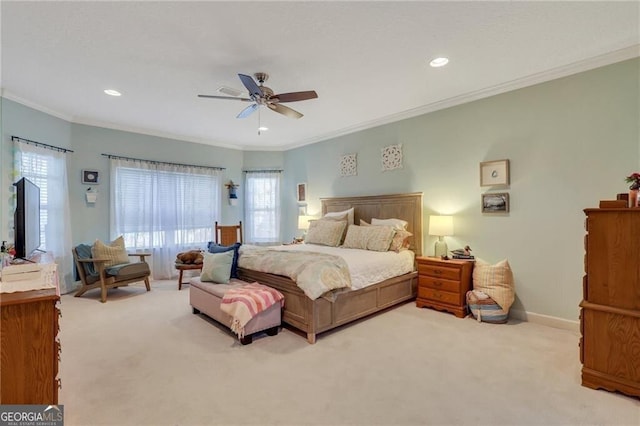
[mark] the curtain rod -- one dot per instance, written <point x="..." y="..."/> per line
<point x="264" y="171"/>
<point x="40" y="144"/>
<point x="119" y="157"/>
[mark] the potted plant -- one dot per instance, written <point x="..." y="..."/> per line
<point x="634" y="180"/>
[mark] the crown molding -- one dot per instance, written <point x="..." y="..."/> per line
<point x="13" y="97"/>
<point x="609" y="58"/>
<point x="150" y="132"/>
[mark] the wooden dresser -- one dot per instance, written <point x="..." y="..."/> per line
<point x="443" y="284"/>
<point x="610" y="309"/>
<point x="29" y="347"/>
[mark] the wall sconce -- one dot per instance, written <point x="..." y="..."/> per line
<point x="91" y="196"/>
<point x="440" y="226"/>
<point x="233" y="197"/>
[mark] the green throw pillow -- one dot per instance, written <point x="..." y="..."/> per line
<point x="216" y="267"/>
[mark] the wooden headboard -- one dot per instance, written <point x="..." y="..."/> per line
<point x="401" y="206"/>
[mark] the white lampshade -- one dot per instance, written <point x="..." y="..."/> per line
<point x="441" y="226"/>
<point x="303" y="222"/>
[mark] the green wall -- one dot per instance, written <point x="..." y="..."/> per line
<point x="570" y="143"/>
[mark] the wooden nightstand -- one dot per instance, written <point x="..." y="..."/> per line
<point x="443" y="284"/>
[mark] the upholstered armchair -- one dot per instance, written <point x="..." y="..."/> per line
<point x="105" y="273"/>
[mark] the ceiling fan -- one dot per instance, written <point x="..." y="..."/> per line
<point x="263" y="95"/>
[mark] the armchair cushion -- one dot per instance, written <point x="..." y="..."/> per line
<point x="114" y="252"/>
<point x="125" y="271"/>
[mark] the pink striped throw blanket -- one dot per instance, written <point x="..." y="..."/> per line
<point x="244" y="303"/>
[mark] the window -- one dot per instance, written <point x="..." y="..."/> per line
<point x="35" y="166"/>
<point x="47" y="168"/>
<point x="163" y="208"/>
<point x="262" y="207"/>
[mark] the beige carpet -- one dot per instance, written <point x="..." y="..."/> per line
<point x="145" y="359"/>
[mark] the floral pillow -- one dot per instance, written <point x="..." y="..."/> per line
<point x="325" y="232"/>
<point x="375" y="238"/>
<point x="400" y="240"/>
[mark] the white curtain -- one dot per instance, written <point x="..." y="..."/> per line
<point x="47" y="169"/>
<point x="163" y="209"/>
<point x="262" y="207"/>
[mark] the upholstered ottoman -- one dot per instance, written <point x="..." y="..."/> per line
<point x="206" y="297"/>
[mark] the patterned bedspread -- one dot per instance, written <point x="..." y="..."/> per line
<point x="315" y="273"/>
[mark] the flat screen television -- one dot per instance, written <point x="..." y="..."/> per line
<point x="27" y="218"/>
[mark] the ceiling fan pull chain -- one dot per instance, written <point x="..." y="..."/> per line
<point x="259" y="120"/>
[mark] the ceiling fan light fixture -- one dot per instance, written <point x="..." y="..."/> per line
<point x="229" y="91"/>
<point x="439" y="62"/>
<point x="112" y="92"/>
<point x="263" y="128"/>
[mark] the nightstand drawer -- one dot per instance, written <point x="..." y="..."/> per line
<point x="440" y="284"/>
<point x="439" y="296"/>
<point x="439" y="271"/>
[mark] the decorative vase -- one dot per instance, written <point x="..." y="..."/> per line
<point x="633" y="198"/>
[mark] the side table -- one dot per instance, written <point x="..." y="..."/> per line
<point x="186" y="267"/>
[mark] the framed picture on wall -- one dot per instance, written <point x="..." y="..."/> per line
<point x="90" y="177"/>
<point x="493" y="173"/>
<point x="497" y="202"/>
<point x="302" y="193"/>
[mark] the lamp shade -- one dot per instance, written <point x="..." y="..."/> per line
<point x="303" y="222"/>
<point x="441" y="226"/>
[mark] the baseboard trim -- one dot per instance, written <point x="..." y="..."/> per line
<point x="547" y="320"/>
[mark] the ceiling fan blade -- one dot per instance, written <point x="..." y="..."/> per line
<point x="247" y="111"/>
<point x="296" y="96"/>
<point x="250" y="84"/>
<point x="233" y="98"/>
<point x="284" y="110"/>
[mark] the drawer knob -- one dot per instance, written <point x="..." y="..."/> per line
<point x="437" y="283"/>
<point x="437" y="271"/>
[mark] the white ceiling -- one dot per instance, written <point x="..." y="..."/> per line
<point x="368" y="61"/>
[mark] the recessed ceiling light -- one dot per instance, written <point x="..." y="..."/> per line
<point x="439" y="62"/>
<point x="263" y="129"/>
<point x="112" y="92"/>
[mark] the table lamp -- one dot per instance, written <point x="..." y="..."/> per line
<point x="440" y="226"/>
<point x="303" y="223"/>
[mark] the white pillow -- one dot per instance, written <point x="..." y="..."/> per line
<point x="396" y="223"/>
<point x="349" y="213"/>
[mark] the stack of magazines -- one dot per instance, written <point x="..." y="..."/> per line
<point x="461" y="254"/>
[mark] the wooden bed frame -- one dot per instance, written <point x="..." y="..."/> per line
<point x="323" y="314"/>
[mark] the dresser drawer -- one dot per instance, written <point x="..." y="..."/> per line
<point x="439" y="284"/>
<point x="439" y="271"/>
<point x="438" y="296"/>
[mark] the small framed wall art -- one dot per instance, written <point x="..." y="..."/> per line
<point x="90" y="177"/>
<point x="348" y="165"/>
<point x="496" y="202"/>
<point x="494" y="173"/>
<point x="392" y="157"/>
<point x="301" y="192"/>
